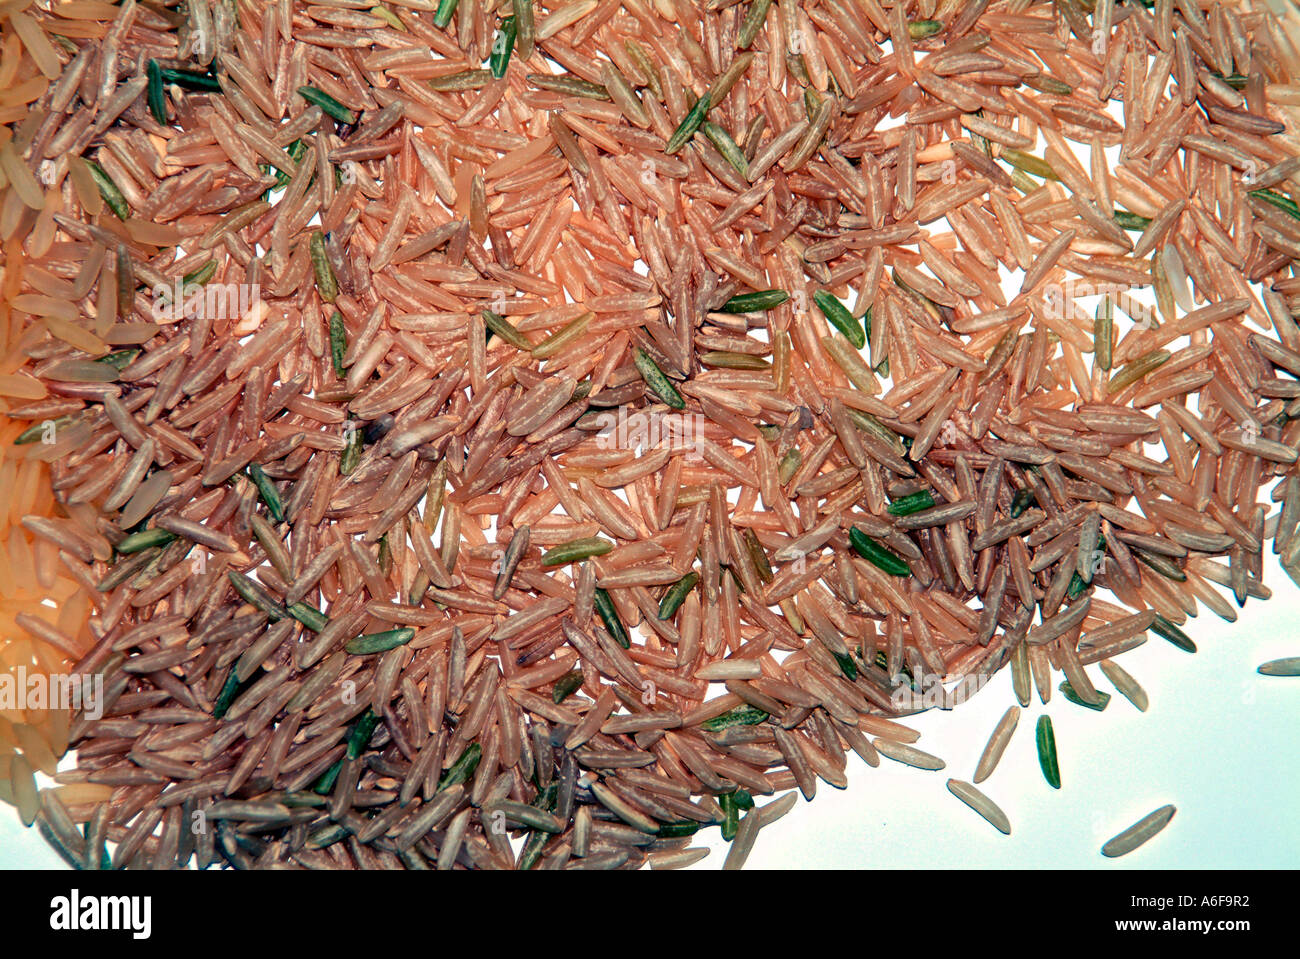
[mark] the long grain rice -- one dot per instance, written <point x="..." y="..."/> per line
<point x="457" y="405"/>
<point x="1138" y="833"/>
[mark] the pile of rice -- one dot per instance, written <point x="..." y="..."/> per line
<point x="521" y="435"/>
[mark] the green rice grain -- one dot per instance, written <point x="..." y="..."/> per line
<point x="338" y="343"/>
<point x="1167" y="630"/>
<point x="678" y="830"/>
<point x="503" y="44"/>
<point x="1164" y="565"/>
<point x="462" y="768"/>
<point x="1130" y="373"/>
<point x="1021" y="501"/>
<point x="877" y="555"/>
<point x="354" y="444"/>
<point x="676" y="595"/>
<point x="1068" y="692"/>
<point x="755" y="14"/>
<point x="911" y="503"/>
<point x="326" y="285"/>
<point x="109" y="191"/>
<point x="145" y="539"/>
<point x="840" y="318"/>
<point x="309" y="616"/>
<point x="566" y="686"/>
<point x="328" y="104"/>
<point x="119" y="359"/>
<point x="609" y="616"/>
<point x="755" y="302"/>
<point x="740" y="716"/>
<point x="569" y="86"/>
<point x="1046" y="740"/>
<point x="193" y="80"/>
<point x="229" y="693"/>
<point x="654" y="378"/>
<point x="1029" y="163"/>
<point x="325" y="784"/>
<point x="721" y="139"/>
<point x="506" y="330"/>
<point x="380" y="642"/>
<point x="359" y="735"/>
<point x="1283" y="203"/>
<point x="157" y="99"/>
<point x="253" y="594"/>
<point x="442" y="16"/>
<point x="37" y="431"/>
<point x="575" y="551"/>
<point x="920" y="29"/>
<point x="789" y="465"/>
<point x="266" y="489"/>
<point x="1132" y="221"/>
<point x="686" y="129"/>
